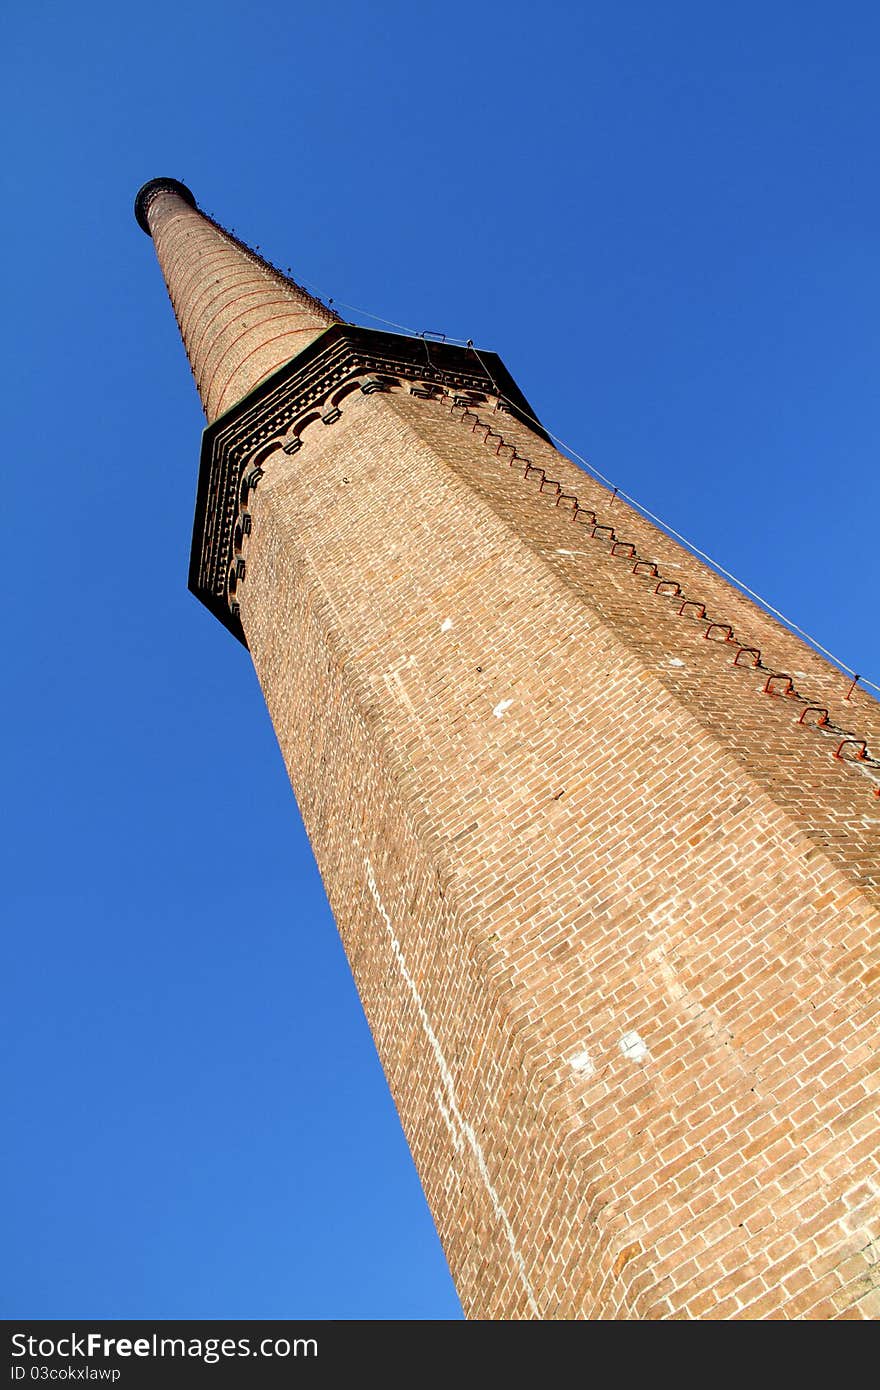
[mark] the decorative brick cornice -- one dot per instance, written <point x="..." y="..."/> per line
<point x="309" y="388"/>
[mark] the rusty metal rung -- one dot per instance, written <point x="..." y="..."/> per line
<point x="748" y="651"/>
<point x="815" y="709"/>
<point x="779" y="676"/>
<point x="859" y="743"/>
<point x="692" y="603"/>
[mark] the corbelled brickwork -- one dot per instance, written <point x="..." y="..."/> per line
<point x="603" y="849"/>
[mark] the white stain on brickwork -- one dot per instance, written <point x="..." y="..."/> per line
<point x="675" y="988"/>
<point x="462" y="1133"/>
<point x="499" y="709"/>
<point x="446" y="625"/>
<point x="582" y="1063"/>
<point x="676" y="661"/>
<point x="394" y="681"/>
<point x="633" y="1047"/>
<point x="454" y="1133"/>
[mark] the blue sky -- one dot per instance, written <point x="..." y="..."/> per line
<point x="665" y="220"/>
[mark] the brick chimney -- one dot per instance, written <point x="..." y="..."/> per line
<point x="601" y="837"/>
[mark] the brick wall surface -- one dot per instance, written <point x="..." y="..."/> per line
<point x="610" y="907"/>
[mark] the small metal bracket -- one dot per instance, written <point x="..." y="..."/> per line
<point x="859" y="743"/>
<point x="779" y="676"/>
<point x="815" y="709"/>
<point x="692" y="603"/>
<point x="748" y="651"/>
